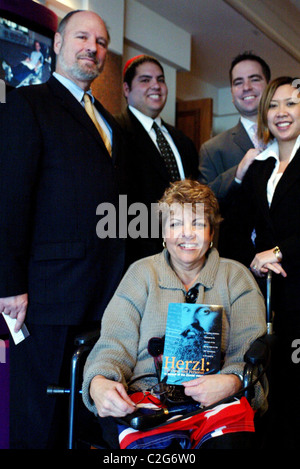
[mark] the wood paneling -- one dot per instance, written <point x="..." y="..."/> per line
<point x="107" y="88"/>
<point x="194" y="119"/>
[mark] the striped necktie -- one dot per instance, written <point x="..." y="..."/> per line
<point x="89" y="109"/>
<point x="166" y="153"/>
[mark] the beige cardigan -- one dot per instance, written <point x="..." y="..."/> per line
<point x="138" y="311"/>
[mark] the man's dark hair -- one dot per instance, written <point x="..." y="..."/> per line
<point x="248" y="55"/>
<point x="131" y="66"/>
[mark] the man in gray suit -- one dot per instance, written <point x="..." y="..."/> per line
<point x="225" y="158"/>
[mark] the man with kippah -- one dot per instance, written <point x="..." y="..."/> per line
<point x="156" y="153"/>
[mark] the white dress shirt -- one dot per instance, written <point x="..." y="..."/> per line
<point x="248" y="126"/>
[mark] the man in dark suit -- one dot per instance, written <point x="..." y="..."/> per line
<point x="149" y="174"/>
<point x="54" y="270"/>
<point x="225" y="158"/>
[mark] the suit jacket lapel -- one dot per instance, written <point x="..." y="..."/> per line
<point x="241" y="138"/>
<point x="75" y="108"/>
<point x="290" y="176"/>
<point x="180" y="147"/>
<point x="144" y="142"/>
<point x="262" y="177"/>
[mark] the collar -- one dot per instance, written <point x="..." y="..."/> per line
<point x="146" y="121"/>
<point x="168" y="278"/>
<point x="247" y="123"/>
<point x="273" y="151"/>
<point x="76" y="91"/>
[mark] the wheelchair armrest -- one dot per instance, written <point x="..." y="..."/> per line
<point x="256" y="358"/>
<point x="259" y="352"/>
<point x="87" y="338"/>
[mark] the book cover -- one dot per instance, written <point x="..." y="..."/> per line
<point x="192" y="342"/>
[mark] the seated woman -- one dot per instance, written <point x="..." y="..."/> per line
<point x="138" y="312"/>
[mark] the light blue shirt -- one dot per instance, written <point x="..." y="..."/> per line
<point x="78" y="94"/>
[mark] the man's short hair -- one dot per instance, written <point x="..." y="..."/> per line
<point x="63" y="23"/>
<point x="131" y="65"/>
<point x="248" y="55"/>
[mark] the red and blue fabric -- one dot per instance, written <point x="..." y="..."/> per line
<point x="190" y="432"/>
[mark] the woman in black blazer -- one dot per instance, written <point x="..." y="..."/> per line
<point x="269" y="207"/>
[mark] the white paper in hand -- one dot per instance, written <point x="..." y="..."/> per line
<point x="17" y="336"/>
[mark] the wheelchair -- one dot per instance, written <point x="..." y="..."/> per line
<point x="257" y="360"/>
<point x="86" y="435"/>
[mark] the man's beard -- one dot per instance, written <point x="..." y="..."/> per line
<point x="80" y="71"/>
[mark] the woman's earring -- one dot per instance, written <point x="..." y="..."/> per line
<point x="164" y="244"/>
<point x="211" y="244"/>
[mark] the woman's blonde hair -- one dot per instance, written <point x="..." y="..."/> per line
<point x="263" y="131"/>
<point x="189" y="191"/>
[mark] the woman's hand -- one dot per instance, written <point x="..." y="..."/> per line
<point x="110" y="398"/>
<point x="264" y="261"/>
<point x="209" y="389"/>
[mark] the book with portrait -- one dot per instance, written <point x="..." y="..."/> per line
<point x="192" y="345"/>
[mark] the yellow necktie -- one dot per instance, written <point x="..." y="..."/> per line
<point x="89" y="109"/>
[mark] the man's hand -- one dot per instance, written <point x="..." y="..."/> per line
<point x="15" y="307"/>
